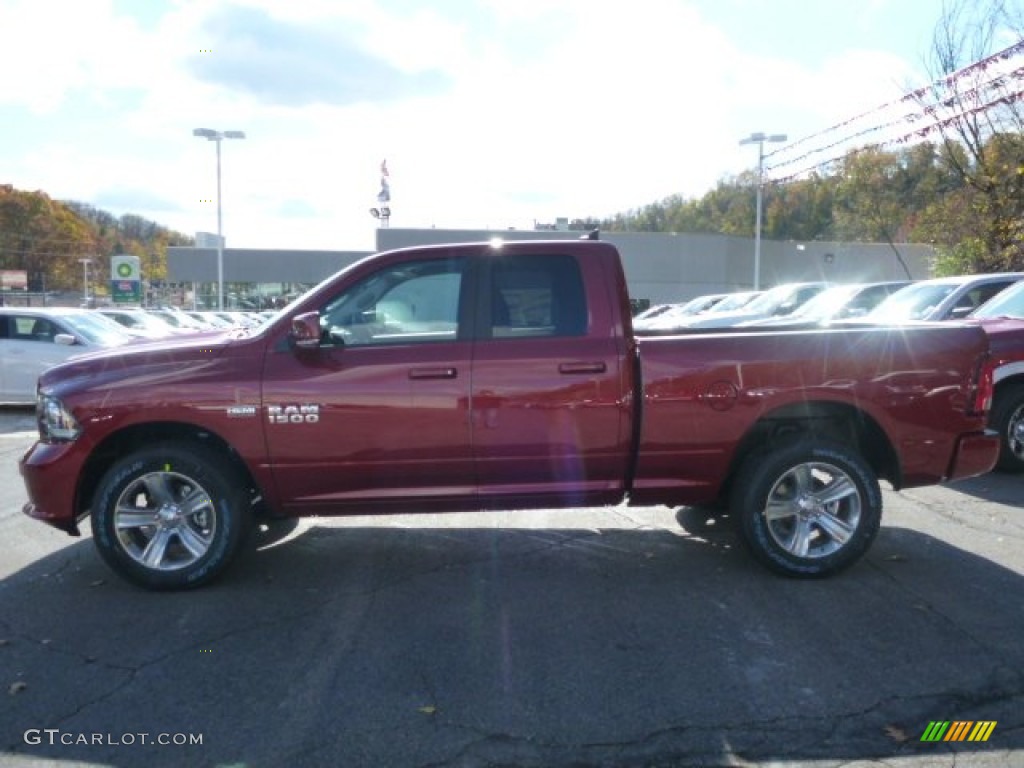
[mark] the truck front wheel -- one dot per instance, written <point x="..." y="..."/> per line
<point x="807" y="508"/>
<point x="170" y="516"/>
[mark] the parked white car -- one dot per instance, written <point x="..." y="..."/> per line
<point x="694" y="306"/>
<point x="942" y="298"/>
<point x="33" y="339"/>
<point x="138" y="322"/>
<point x="177" y="319"/>
<point x="840" y="302"/>
<point x="676" y="315"/>
<point x="775" y="302"/>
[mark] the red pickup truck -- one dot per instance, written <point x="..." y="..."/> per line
<point x="499" y="375"/>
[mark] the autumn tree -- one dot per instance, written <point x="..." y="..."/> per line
<point x="42" y="237"/>
<point x="976" y="108"/>
<point x="47" y="238"/>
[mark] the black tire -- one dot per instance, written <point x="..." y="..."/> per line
<point x="781" y="501"/>
<point x="1007" y="418"/>
<point x="144" y="530"/>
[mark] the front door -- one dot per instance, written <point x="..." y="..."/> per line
<point x="379" y="414"/>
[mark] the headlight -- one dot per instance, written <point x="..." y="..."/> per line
<point x="56" y="424"/>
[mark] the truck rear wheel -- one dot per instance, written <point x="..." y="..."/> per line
<point x="171" y="516"/>
<point x="807" y="508"/>
<point x="1007" y="418"/>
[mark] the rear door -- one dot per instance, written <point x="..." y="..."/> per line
<point x="549" y="396"/>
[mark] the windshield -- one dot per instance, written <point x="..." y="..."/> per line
<point x="96" y="329"/>
<point x="700" y="304"/>
<point x="149" y="322"/>
<point x="913" y="302"/>
<point x="735" y="301"/>
<point x="1008" y="303"/>
<point x="826" y="303"/>
<point x="769" y="300"/>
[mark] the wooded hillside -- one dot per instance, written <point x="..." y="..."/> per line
<point x="47" y="237"/>
<point x="919" y="194"/>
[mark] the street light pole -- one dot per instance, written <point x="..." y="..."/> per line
<point x="216" y="136"/>
<point x="759" y="139"/>
<point x="85" y="280"/>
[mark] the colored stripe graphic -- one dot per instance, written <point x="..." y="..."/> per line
<point x="982" y="730"/>
<point x="935" y="731"/>
<point x="958" y="730"/>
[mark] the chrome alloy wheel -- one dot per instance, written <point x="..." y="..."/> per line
<point x="813" y="510"/>
<point x="1015" y="433"/>
<point x="165" y="520"/>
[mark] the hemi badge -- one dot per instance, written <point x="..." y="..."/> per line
<point x="241" y="411"/>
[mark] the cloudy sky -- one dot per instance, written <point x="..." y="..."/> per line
<point x="490" y="113"/>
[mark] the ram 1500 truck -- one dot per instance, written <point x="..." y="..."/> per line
<point x="499" y="376"/>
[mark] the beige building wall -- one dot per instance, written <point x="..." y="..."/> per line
<point x="660" y="267"/>
<point x="671" y="267"/>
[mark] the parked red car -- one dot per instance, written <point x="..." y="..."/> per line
<point x="1003" y="319"/>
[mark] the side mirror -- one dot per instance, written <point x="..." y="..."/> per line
<point x="305" y="332"/>
<point x="65" y="339"/>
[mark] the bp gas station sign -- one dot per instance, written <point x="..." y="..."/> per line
<point x="125" y="279"/>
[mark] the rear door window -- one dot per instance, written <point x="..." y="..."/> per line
<point x="536" y="296"/>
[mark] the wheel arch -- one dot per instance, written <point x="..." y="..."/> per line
<point x="1008" y="373"/>
<point x="130" y="438"/>
<point x="833" y="421"/>
<point x="1007" y="380"/>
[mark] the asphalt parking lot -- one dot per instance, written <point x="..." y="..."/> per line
<point x="592" y="637"/>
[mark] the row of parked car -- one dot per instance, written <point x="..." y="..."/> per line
<point x="996" y="301"/>
<point x="797" y="304"/>
<point x="34" y="338"/>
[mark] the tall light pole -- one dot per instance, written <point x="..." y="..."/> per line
<point x="760" y="139"/>
<point x="216" y="136"/>
<point x="85" y="280"/>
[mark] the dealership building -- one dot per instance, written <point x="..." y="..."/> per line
<point x="659" y="267"/>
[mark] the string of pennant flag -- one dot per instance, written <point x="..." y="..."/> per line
<point x="952" y="102"/>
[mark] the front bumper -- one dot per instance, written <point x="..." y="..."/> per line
<point x="51" y="472"/>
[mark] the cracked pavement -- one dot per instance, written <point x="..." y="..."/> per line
<point x="592" y="637"/>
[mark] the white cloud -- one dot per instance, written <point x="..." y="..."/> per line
<point x="489" y="113"/>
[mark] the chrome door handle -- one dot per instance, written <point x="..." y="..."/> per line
<point x="432" y="373"/>
<point x="576" y="368"/>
